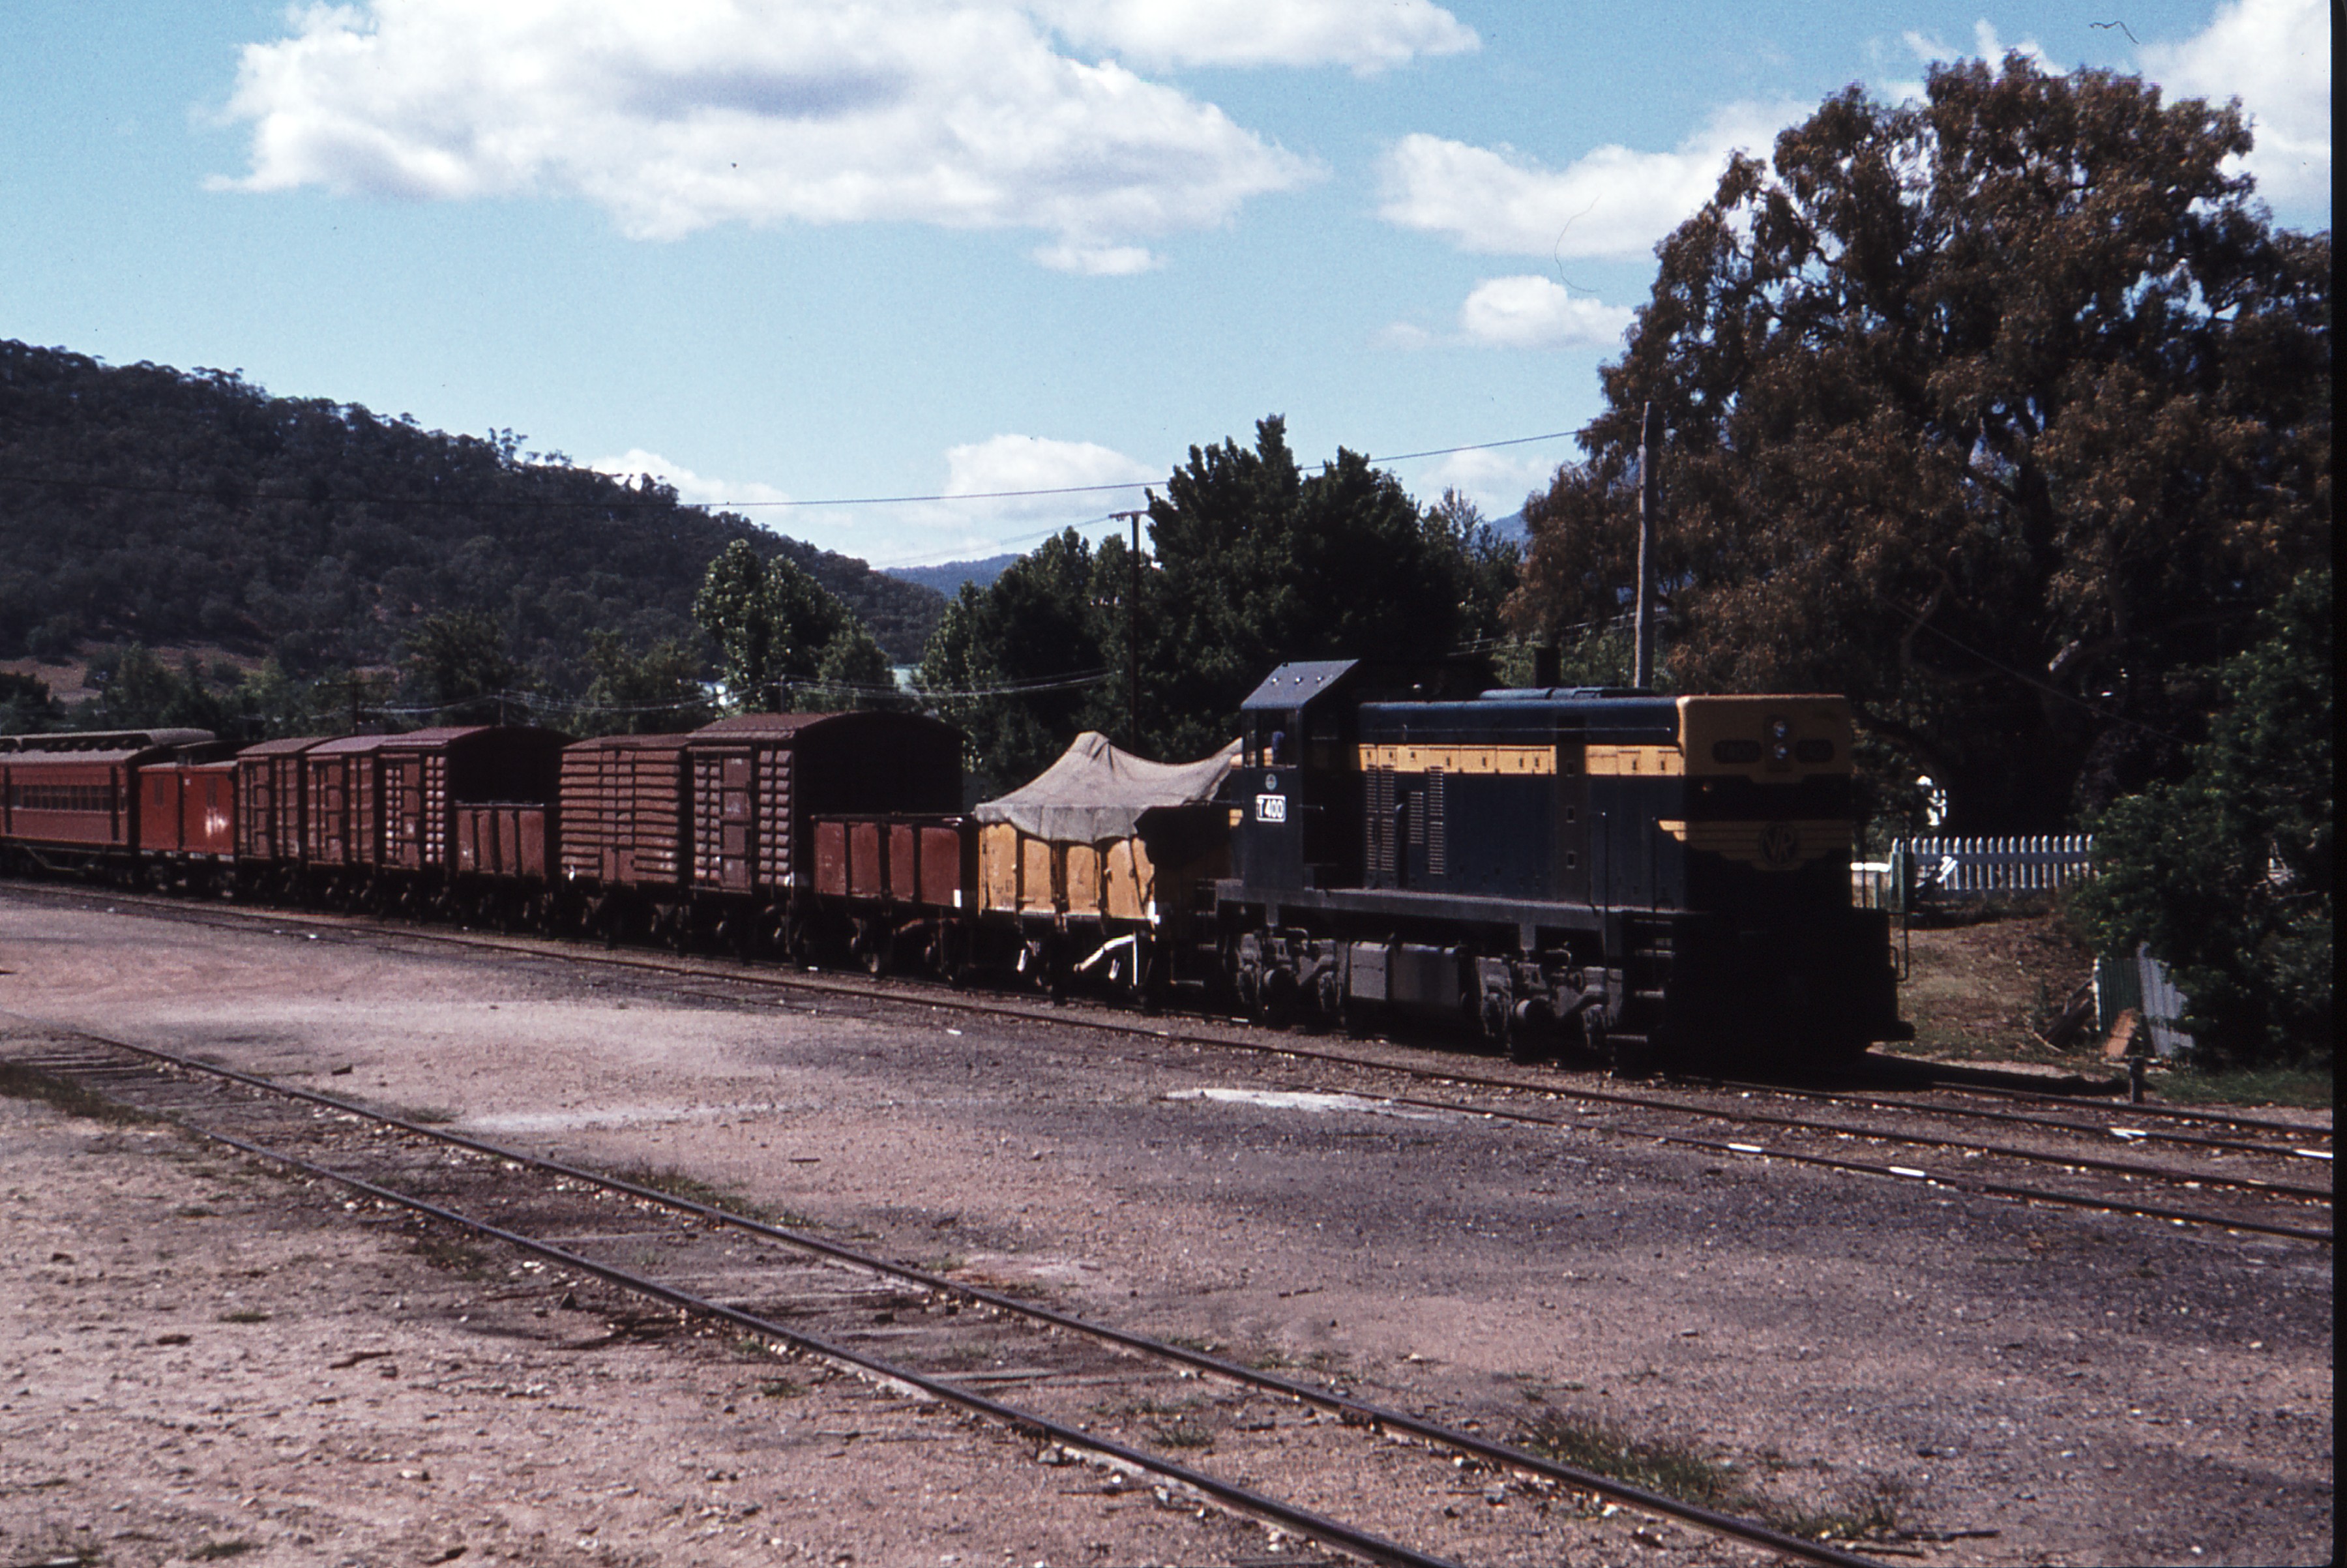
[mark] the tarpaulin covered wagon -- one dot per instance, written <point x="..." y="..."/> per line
<point x="1107" y="859"/>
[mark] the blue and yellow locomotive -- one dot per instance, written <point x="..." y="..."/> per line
<point x="1659" y="878"/>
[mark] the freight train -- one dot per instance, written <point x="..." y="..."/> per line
<point x="1648" y="878"/>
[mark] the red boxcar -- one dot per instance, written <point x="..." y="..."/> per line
<point x="756" y="782"/>
<point x="75" y="798"/>
<point x="389" y="803"/>
<point x="623" y="811"/>
<point x="187" y="805"/>
<point x="270" y="802"/>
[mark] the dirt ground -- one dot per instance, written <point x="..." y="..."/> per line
<point x="1983" y="991"/>
<point x="203" y="1360"/>
<point x="2089" y="1389"/>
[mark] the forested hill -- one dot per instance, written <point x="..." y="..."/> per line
<point x="184" y="507"/>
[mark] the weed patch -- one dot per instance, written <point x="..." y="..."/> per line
<point x="675" y="1184"/>
<point x="1183" y="1435"/>
<point x="63" y="1094"/>
<point x="1658" y="1465"/>
<point x="215" y="1551"/>
<point x="1682" y="1471"/>
<point x="2301" y="1086"/>
<point x="451" y="1255"/>
<point x="244" y="1314"/>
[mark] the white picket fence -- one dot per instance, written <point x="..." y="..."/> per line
<point x="1944" y="869"/>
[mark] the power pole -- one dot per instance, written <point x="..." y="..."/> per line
<point x="1650" y="506"/>
<point x="1132" y="642"/>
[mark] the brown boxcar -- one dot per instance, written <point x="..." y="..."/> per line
<point x="76" y="797"/>
<point x="623" y="812"/>
<point x="756" y="782"/>
<point x="270" y="802"/>
<point x="388" y="804"/>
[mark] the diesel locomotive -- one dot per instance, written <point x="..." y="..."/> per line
<point x="1654" y="878"/>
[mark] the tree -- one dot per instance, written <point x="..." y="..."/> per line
<point x="642" y="695"/>
<point x="2226" y="874"/>
<point x="1253" y="562"/>
<point x="1020" y="665"/>
<point x="26" y="708"/>
<point x="853" y="671"/>
<point x="777" y="628"/>
<point x="459" y="661"/>
<point x="1259" y="564"/>
<point x="1999" y="411"/>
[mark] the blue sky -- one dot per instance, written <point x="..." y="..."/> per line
<point x="780" y="250"/>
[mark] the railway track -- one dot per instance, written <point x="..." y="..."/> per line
<point x="2264" y="1183"/>
<point x="1291" y="1452"/>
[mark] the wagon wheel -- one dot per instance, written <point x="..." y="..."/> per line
<point x="877" y="944"/>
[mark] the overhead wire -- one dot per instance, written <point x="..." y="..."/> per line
<point x="723" y="506"/>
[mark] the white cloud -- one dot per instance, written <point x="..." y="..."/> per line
<point x="689" y="486"/>
<point x="1530" y="312"/>
<point x="1497" y="482"/>
<point x="1037" y="463"/>
<point x="971" y="519"/>
<point x="1610" y="201"/>
<point x="1928" y="49"/>
<point x="1368" y="36"/>
<point x="2275" y="56"/>
<point x="1097" y="260"/>
<point x="678" y="117"/>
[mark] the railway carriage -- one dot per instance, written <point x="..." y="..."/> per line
<point x="382" y="814"/>
<point x="72" y="801"/>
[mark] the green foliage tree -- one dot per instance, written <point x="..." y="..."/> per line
<point x="1251" y="562"/>
<point x="191" y="509"/>
<point x="2226" y="876"/>
<point x="853" y="671"/>
<point x="1021" y="664"/>
<point x="779" y="632"/>
<point x="1996" y="410"/>
<point x="657" y="690"/>
<point x="458" y="660"/>
<point x="26" y="706"/>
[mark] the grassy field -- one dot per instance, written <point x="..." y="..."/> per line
<point x="1982" y="991"/>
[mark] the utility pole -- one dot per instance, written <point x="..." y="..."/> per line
<point x="1132" y="642"/>
<point x="1650" y="505"/>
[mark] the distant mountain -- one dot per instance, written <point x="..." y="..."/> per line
<point x="948" y="578"/>
<point x="189" y="507"/>
<point x="1512" y="526"/>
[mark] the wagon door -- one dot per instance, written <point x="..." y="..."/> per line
<point x="330" y="811"/>
<point x="722" y="820"/>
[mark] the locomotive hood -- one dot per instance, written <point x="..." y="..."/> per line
<point x="1096" y="792"/>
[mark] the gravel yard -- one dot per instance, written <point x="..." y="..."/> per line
<point x="2089" y="1389"/>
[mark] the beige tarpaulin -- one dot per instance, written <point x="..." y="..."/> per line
<point x="1096" y="792"/>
